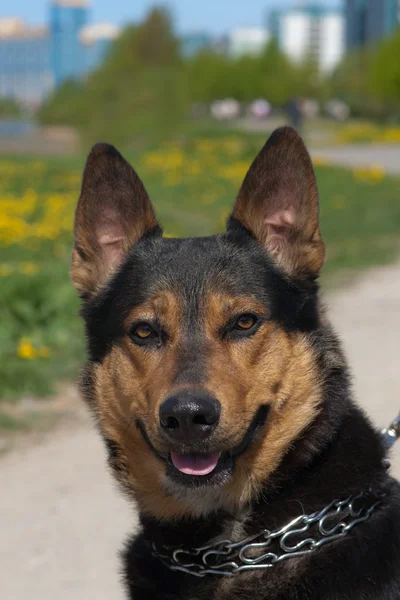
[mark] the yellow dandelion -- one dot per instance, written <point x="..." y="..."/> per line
<point x="26" y="350"/>
<point x="372" y="174"/>
<point x="320" y="161"/>
<point x="377" y="172"/>
<point x="234" y="172"/>
<point x="29" y="268"/>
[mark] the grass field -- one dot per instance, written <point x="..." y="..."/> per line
<point x="193" y="185"/>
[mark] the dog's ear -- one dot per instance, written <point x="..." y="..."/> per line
<point x="113" y="213"/>
<point x="278" y="204"/>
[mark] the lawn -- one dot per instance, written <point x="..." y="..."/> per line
<point x="366" y="132"/>
<point x="193" y="184"/>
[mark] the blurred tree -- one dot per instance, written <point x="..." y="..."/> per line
<point x="145" y="86"/>
<point x="207" y="77"/>
<point x="385" y="74"/>
<point x="212" y="76"/>
<point x="277" y="75"/>
<point x="350" y="81"/>
<point x="9" y="108"/>
<point x="64" y="106"/>
<point x="156" y="43"/>
<point x="139" y="90"/>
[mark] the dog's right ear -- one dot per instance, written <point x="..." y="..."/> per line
<point x="113" y="213"/>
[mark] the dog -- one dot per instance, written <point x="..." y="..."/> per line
<point x="224" y="398"/>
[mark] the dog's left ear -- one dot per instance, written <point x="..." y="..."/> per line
<point x="278" y="204"/>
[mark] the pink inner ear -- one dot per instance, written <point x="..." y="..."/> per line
<point x="279" y="224"/>
<point x="111" y="238"/>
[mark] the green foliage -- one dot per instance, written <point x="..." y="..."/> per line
<point x="156" y="44"/>
<point x="276" y="76"/>
<point x="385" y="73"/>
<point x="368" y="79"/>
<point x="9" y="108"/>
<point x="212" y="76"/>
<point x="43" y="309"/>
<point x="193" y="184"/>
<point x="139" y="90"/>
<point x="64" y="106"/>
<point x="145" y="87"/>
<point x="350" y="81"/>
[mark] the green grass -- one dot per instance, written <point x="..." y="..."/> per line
<point x="193" y="185"/>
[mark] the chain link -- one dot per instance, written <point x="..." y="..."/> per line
<point x="391" y="434"/>
<point x="267" y="548"/>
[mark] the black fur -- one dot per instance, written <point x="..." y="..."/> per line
<point x="340" y="454"/>
<point x="233" y="261"/>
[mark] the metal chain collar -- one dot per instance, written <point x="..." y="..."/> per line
<point x="391" y="434"/>
<point x="267" y="548"/>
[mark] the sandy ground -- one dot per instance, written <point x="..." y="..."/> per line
<point x="46" y="141"/>
<point x="362" y="155"/>
<point x="61" y="519"/>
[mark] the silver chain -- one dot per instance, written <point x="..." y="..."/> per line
<point x="391" y="434"/>
<point x="255" y="552"/>
<point x="267" y="548"/>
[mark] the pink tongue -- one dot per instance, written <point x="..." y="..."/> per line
<point x="195" y="464"/>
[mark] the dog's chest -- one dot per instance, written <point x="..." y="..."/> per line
<point x="254" y="585"/>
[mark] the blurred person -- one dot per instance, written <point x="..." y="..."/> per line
<point x="295" y="113"/>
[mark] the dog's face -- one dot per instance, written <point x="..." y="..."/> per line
<point x="200" y="371"/>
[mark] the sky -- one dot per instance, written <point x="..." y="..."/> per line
<point x="215" y="16"/>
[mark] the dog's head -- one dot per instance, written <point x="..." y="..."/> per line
<point x="200" y="370"/>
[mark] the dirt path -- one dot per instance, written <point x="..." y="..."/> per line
<point x="321" y="142"/>
<point x="61" y="520"/>
<point x="362" y="155"/>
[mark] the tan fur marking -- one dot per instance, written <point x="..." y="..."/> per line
<point x="278" y="204"/>
<point x="131" y="384"/>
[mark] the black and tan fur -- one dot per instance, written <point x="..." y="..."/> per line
<point x="283" y="386"/>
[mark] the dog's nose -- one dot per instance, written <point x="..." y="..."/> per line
<point x="189" y="416"/>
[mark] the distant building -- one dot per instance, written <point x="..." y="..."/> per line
<point x="26" y="72"/>
<point x="247" y="40"/>
<point x="310" y="32"/>
<point x="35" y="60"/>
<point x="67" y="19"/>
<point x="356" y="23"/>
<point x="368" y="21"/>
<point x="96" y="41"/>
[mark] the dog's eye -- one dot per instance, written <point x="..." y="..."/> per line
<point x="246" y="322"/>
<point x="143" y="332"/>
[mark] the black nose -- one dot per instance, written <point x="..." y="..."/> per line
<point x="189" y="416"/>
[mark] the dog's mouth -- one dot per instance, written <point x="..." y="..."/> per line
<point x="197" y="469"/>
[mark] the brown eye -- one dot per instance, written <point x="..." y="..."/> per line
<point x="145" y="334"/>
<point x="245" y="322"/>
<point x="143" y="331"/>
